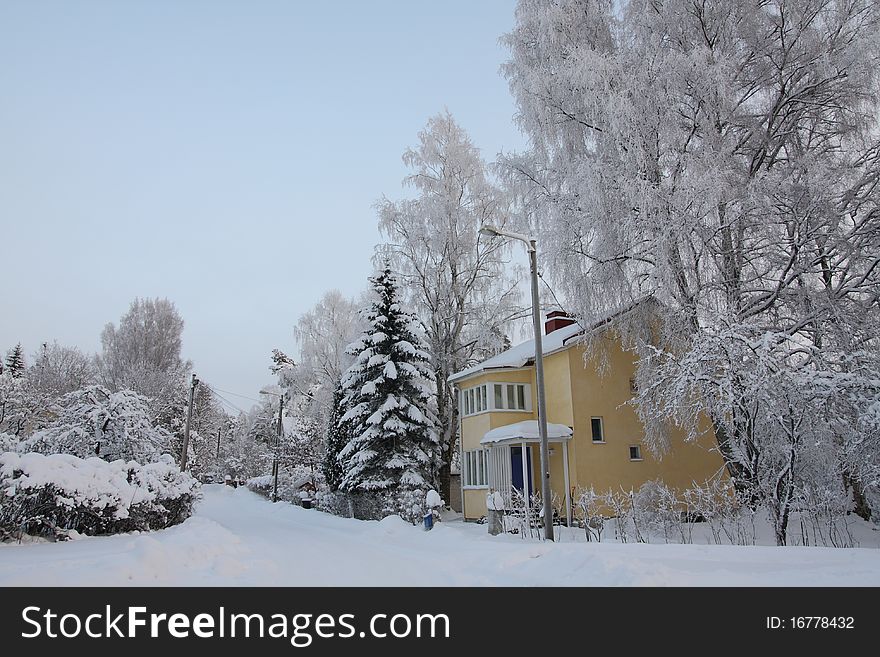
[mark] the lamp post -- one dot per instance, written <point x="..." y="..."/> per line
<point x="277" y="441"/>
<point x="491" y="231"/>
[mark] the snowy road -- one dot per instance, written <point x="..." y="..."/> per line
<point x="238" y="538"/>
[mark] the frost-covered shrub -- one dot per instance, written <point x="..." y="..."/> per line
<point x="94" y="421"/>
<point x="334" y="502"/>
<point x="261" y="485"/>
<point x="656" y="510"/>
<point x="8" y="443"/>
<point x="409" y="504"/>
<point x="822" y="517"/>
<point x="290" y="484"/>
<point x="592" y="510"/>
<point x="53" y="495"/>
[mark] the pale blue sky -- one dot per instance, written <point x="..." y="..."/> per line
<point x="225" y="155"/>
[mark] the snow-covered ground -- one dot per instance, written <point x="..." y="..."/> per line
<point x="239" y="538"/>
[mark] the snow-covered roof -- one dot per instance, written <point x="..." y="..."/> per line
<point x="521" y="354"/>
<point x="526" y="430"/>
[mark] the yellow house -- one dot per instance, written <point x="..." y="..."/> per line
<point x="596" y="438"/>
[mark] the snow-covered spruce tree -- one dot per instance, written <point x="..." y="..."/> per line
<point x="15" y="364"/>
<point x="389" y="402"/>
<point x="96" y="422"/>
<point x="336" y="439"/>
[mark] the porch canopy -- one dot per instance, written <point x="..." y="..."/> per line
<point x="498" y="442"/>
<point x="526" y="431"/>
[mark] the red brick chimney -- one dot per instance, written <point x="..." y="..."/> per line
<point x="556" y="319"/>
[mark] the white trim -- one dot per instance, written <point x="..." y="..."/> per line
<point x="527" y="482"/>
<point x="567" y="484"/>
<point x="601" y="429"/>
<point x="475" y="469"/>
<point x="488" y="387"/>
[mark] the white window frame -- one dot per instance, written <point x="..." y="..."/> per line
<point x="475" y="469"/>
<point x="601" y="430"/>
<point x="638" y="451"/>
<point x="481" y="398"/>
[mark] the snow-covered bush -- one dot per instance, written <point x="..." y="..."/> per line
<point x="592" y="510"/>
<point x="822" y="517"/>
<point x="291" y="484"/>
<point x="262" y="485"/>
<point x="54" y="495"/>
<point x="8" y="443"/>
<point x="409" y="504"/>
<point x="334" y="502"/>
<point x="94" y="421"/>
<point x="524" y="520"/>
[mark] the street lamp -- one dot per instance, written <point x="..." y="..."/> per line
<point x="277" y="440"/>
<point x="491" y="231"/>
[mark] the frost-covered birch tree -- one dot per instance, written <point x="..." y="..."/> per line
<point x="322" y="334"/>
<point x="722" y="158"/>
<point x="455" y="280"/>
<point x="389" y="400"/>
<point x="143" y="354"/>
<point x="58" y="370"/>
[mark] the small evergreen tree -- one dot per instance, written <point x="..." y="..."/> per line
<point x="389" y="401"/>
<point x="15" y="361"/>
<point x="337" y="437"/>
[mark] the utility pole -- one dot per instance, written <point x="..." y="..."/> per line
<point x="277" y="443"/>
<point x="218" y="443"/>
<point x="189" y="411"/>
<point x="542" y="403"/>
<point x="532" y="248"/>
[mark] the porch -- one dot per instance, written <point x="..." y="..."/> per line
<point x="509" y="460"/>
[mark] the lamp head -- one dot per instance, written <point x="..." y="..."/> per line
<point x="489" y="231"/>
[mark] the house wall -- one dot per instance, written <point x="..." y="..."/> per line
<point x="607" y="465"/>
<point x="577" y="390"/>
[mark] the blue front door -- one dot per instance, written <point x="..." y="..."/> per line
<point x="516" y="474"/>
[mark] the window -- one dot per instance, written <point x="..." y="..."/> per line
<point x="496" y="397"/>
<point x="635" y="453"/>
<point x="598" y="430"/>
<point x="510" y="397"/>
<point x="475" y="471"/>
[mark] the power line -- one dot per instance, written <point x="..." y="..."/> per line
<point x="223" y="399"/>
<point x="556" y="300"/>
<point x="235" y="394"/>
